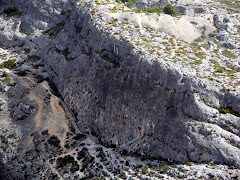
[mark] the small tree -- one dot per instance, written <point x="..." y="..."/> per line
<point x="154" y="9"/>
<point x="169" y="9"/>
<point x="130" y="3"/>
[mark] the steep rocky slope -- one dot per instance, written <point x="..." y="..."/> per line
<point x="133" y="83"/>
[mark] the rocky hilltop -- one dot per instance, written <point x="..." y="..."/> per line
<point x="96" y="89"/>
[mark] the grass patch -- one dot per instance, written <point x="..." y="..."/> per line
<point x="231" y="3"/>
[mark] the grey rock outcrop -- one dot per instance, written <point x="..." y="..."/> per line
<point x="226" y="29"/>
<point x="143" y="5"/>
<point x="181" y="9"/>
<point x="127" y="102"/>
<point x="154" y="107"/>
<point x="199" y="10"/>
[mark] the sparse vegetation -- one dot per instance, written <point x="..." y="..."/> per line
<point x="25" y="32"/>
<point x="228" y="54"/>
<point x="228" y="110"/>
<point x="231" y="3"/>
<point x="197" y="62"/>
<point x="10" y="64"/>
<point x="111" y="60"/>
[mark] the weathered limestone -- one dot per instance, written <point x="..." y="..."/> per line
<point x="128" y="102"/>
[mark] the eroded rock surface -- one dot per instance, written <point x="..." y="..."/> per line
<point x="133" y="86"/>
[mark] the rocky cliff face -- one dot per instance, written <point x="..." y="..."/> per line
<point x="125" y="85"/>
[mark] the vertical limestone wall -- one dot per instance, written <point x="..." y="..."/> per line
<point x="127" y="101"/>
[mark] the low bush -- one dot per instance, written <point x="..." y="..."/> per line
<point x="11" y="11"/>
<point x="154" y="9"/>
<point x="169" y="9"/>
<point x="136" y="10"/>
<point x="10" y="64"/>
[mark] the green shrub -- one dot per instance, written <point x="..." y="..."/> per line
<point x="154" y="9"/>
<point x="130" y="3"/>
<point x="65" y="52"/>
<point x="220" y="70"/>
<point x="136" y="10"/>
<point x="11" y="11"/>
<point x="21" y="44"/>
<point x="169" y="9"/>
<point x="10" y="64"/>
<point x="200" y="55"/>
<point x="5" y="74"/>
<point x="165" y="168"/>
<point x="189" y="163"/>
<point x="145" y="169"/>
<point x="197" y="62"/>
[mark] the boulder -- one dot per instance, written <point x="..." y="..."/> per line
<point x="181" y="9"/>
<point x="199" y="10"/>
